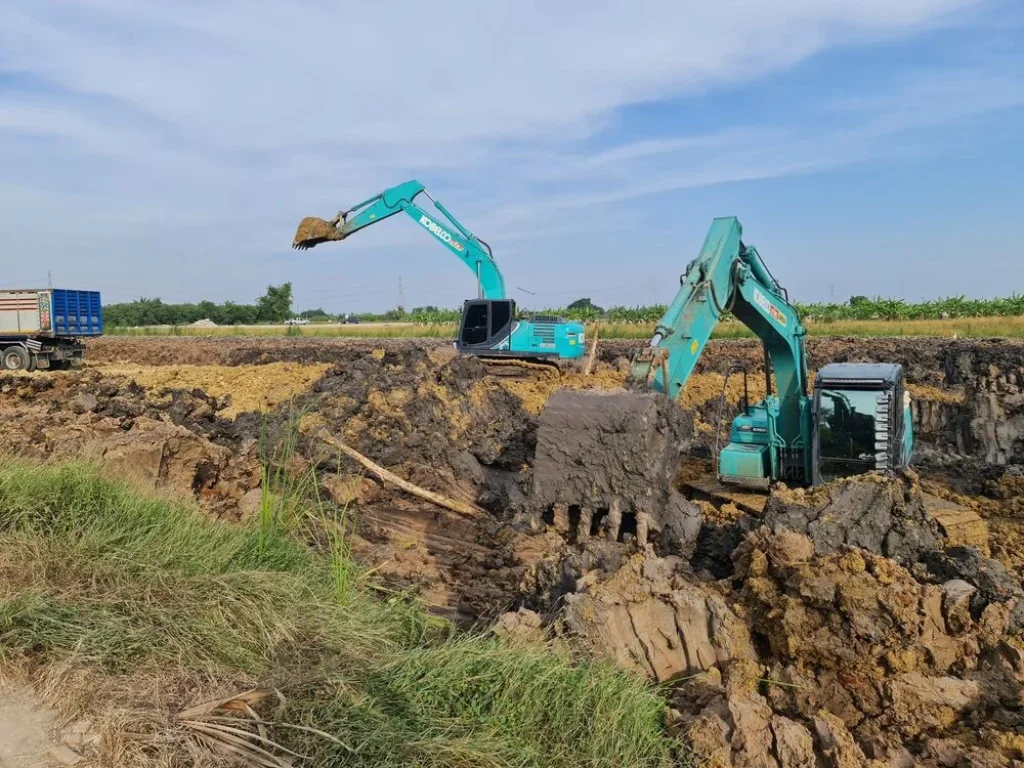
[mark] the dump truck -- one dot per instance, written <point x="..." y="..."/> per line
<point x="46" y="328"/>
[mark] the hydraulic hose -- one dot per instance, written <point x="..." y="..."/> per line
<point x="733" y="277"/>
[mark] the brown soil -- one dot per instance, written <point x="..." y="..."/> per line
<point x="836" y="627"/>
<point x="249" y="387"/>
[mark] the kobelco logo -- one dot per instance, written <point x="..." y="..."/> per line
<point x="770" y="308"/>
<point x="440" y="233"/>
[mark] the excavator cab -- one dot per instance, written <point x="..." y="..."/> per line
<point x="862" y="420"/>
<point x="492" y="328"/>
<point x="486" y="324"/>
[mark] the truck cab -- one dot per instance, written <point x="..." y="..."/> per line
<point x="862" y="420"/>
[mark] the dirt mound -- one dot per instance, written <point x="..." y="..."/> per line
<point x="404" y="408"/>
<point x="242" y="388"/>
<point x="805" y="658"/>
<point x="885" y="515"/>
<point x="819" y="648"/>
<point x="242" y="350"/>
<point x="171" y="440"/>
<point x="897" y="662"/>
<point x="649" y="617"/>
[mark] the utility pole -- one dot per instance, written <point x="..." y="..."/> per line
<point x="401" y="295"/>
<point x="49" y="280"/>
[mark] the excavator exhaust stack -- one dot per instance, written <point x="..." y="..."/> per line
<point x="313" y="231"/>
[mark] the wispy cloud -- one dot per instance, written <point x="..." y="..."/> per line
<point x="194" y="130"/>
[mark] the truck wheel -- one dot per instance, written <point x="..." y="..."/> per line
<point x="15" y="359"/>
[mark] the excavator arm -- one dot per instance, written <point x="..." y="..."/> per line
<point x="729" y="276"/>
<point x="726" y="277"/>
<point x="469" y="249"/>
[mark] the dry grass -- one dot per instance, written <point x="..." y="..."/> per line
<point x="976" y="327"/>
<point x="132" y="609"/>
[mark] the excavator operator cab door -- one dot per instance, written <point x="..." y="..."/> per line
<point x="486" y="325"/>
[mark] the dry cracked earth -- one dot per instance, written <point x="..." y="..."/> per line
<point x="868" y="622"/>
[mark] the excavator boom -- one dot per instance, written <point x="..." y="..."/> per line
<point x="446" y="229"/>
<point x="490" y="326"/>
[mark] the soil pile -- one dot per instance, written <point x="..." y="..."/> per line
<point x="242" y="350"/>
<point x="820" y="647"/>
<point x="171" y="440"/>
<point x="241" y="388"/>
<point x="881" y="514"/>
<point x="432" y="415"/>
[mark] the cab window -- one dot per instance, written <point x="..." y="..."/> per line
<point x="846" y="432"/>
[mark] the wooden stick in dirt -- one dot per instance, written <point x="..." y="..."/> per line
<point x="459" y="507"/>
<point x="589" y="362"/>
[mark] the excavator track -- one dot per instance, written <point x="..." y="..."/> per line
<point x="513" y="368"/>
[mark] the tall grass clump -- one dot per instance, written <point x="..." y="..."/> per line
<point x="149" y="593"/>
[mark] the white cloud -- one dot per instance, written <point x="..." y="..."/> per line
<point x="250" y="114"/>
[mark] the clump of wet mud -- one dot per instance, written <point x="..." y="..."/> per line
<point x="879" y="513"/>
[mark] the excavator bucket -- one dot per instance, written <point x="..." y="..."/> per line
<point x="607" y="460"/>
<point x="313" y="231"/>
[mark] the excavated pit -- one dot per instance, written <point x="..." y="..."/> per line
<point x="855" y="623"/>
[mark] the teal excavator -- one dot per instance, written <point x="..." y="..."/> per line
<point x="856" y="420"/>
<point x="490" y="326"/>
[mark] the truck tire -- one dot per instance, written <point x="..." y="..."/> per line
<point x="15" y="359"/>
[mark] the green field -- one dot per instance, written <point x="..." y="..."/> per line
<point x="970" y="327"/>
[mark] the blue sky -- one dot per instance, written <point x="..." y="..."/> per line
<point x="166" y="149"/>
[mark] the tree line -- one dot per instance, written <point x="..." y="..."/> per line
<point x="275" y="306"/>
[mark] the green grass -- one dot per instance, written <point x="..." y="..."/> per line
<point x="976" y="327"/>
<point x="96" y="576"/>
